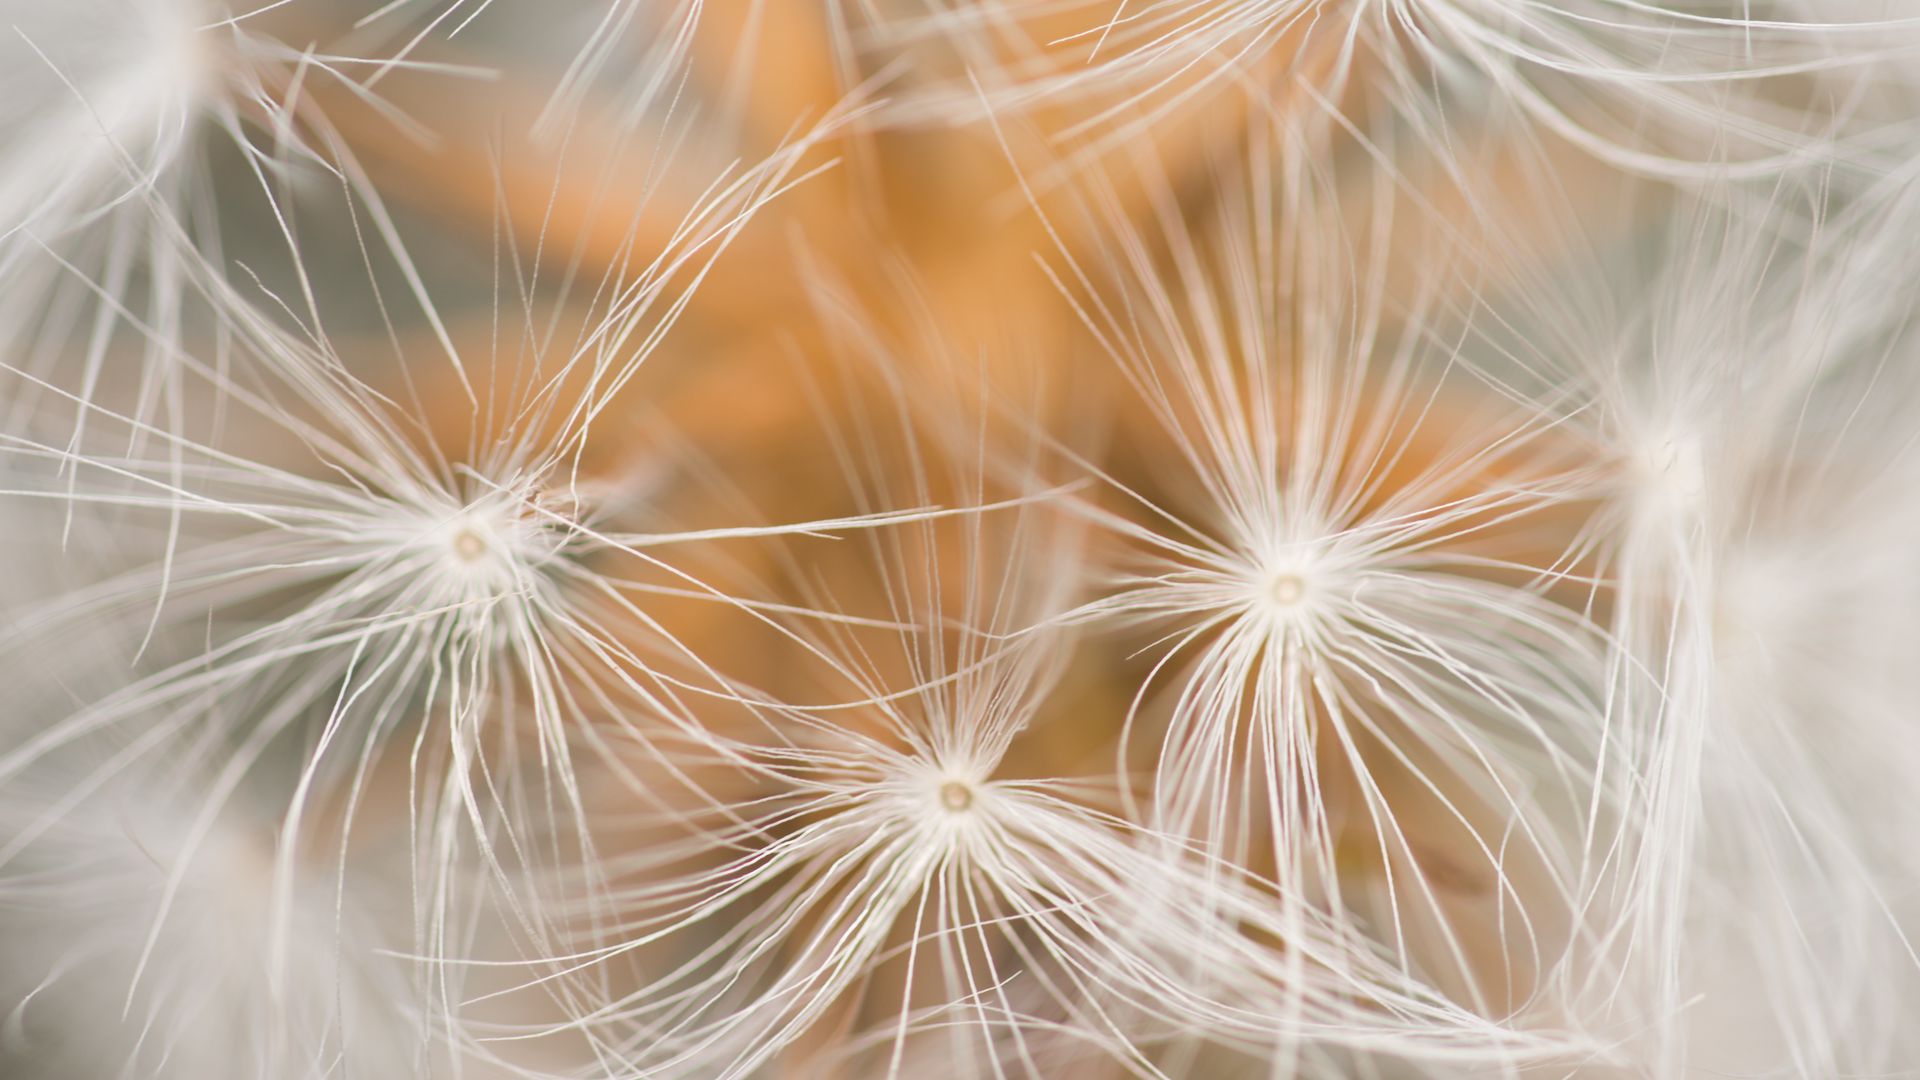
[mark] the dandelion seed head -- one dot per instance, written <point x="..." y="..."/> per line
<point x="469" y="545"/>
<point x="1670" y="471"/>
<point x="943" y="803"/>
<point x="956" y="796"/>
<point x="1287" y="589"/>
<point x="946" y="799"/>
<point x="484" y="548"/>
<point x="474" y="546"/>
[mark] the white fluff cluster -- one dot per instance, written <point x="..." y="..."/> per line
<point x="981" y="538"/>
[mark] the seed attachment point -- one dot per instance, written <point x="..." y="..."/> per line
<point x="468" y="545"/>
<point x="956" y="796"/>
<point x="1286" y="590"/>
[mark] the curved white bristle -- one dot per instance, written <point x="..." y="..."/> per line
<point x="1753" y="407"/>
<point x="999" y="912"/>
<point x="1427" y="593"/>
<point x="1355" y="656"/>
<point x="1677" y="90"/>
<point x="382" y="602"/>
<point x="138" y="929"/>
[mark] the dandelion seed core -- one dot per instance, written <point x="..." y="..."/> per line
<point x="469" y="545"/>
<point x="956" y="796"/>
<point x="478" y="552"/>
<point x="1286" y="590"/>
<point x="1672" y="472"/>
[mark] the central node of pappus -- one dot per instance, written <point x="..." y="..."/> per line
<point x="956" y="796"/>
